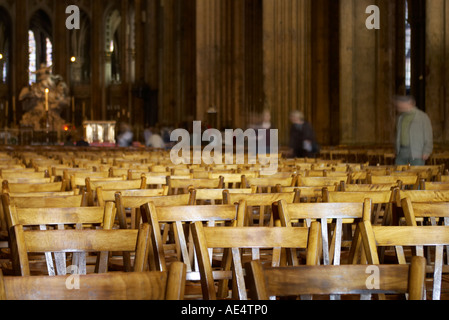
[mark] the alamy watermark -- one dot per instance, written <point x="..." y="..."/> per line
<point x="372" y="22"/>
<point x="73" y="21"/>
<point x="373" y="280"/>
<point x="189" y="148"/>
<point x="73" y="281"/>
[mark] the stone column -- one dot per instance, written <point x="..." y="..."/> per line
<point x="367" y="74"/>
<point x="437" y="66"/>
<point x="287" y="60"/>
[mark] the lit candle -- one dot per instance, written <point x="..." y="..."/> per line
<point x="46" y="99"/>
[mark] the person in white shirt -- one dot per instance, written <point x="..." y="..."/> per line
<point x="125" y="138"/>
<point x="155" y="139"/>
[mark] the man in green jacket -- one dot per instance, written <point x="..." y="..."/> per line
<point x="414" y="134"/>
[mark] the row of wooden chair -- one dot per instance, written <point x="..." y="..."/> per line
<point x="18" y="231"/>
<point x="198" y="229"/>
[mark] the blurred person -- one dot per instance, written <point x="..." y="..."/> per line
<point x="155" y="140"/>
<point x="125" y="137"/>
<point x="414" y="134"/>
<point x="303" y="142"/>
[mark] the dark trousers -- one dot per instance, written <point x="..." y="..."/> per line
<point x="405" y="158"/>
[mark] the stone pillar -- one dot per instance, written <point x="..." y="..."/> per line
<point x="220" y="60"/>
<point x="437" y="66"/>
<point x="287" y="60"/>
<point x="367" y="74"/>
<point x="98" y="100"/>
<point x="20" y="65"/>
<point x="60" y="41"/>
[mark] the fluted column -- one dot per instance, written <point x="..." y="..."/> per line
<point x="220" y="64"/>
<point x="367" y="74"/>
<point x="287" y="60"/>
<point x="437" y="65"/>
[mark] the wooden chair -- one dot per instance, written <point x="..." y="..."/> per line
<point x="268" y="184"/>
<point x="156" y="285"/>
<point x="425" y="213"/>
<point x="421" y="195"/>
<point x="433" y="185"/>
<point x="155" y="181"/>
<point x="23" y="175"/>
<point x="119" y="172"/>
<point x="160" y="169"/>
<point x="83" y="241"/>
<point x="415" y="196"/>
<point x="78" y="179"/>
<point x="41" y="200"/>
<point x="60" y="172"/>
<point x="180" y="171"/>
<point x="318" y="181"/>
<point x="428" y="172"/>
<point x="326" y="214"/>
<point x="134" y="174"/>
<point x="200" y="174"/>
<point x="233" y="239"/>
<point x="343" y="176"/>
<point x="37" y="199"/>
<point x="261" y="205"/>
<point x="368" y="187"/>
<point x="44" y="194"/>
<point x="180" y="219"/>
<point x="319" y="172"/>
<point x="410" y="181"/>
<point x="379" y="170"/>
<point x="109" y="195"/>
<point x="6" y="165"/>
<point x="177" y="186"/>
<point x="358" y="177"/>
<point x="230" y="180"/>
<point x="47" y="201"/>
<point x="215" y="196"/>
<point x="436" y="237"/>
<point x="126" y="203"/>
<point x="267" y="283"/>
<point x="179" y="216"/>
<point x="381" y="200"/>
<point x="114" y="184"/>
<point x="92" y="186"/>
<point x="134" y="206"/>
<point x="55" y="216"/>
<point x="8" y="187"/>
<point x="308" y="194"/>
<point x="326" y="172"/>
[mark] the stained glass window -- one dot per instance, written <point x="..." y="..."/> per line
<point x="4" y="72"/>
<point x="32" y="57"/>
<point x="408" y="49"/>
<point x="49" y="51"/>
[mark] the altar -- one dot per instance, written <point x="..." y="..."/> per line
<point x="100" y="133"/>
